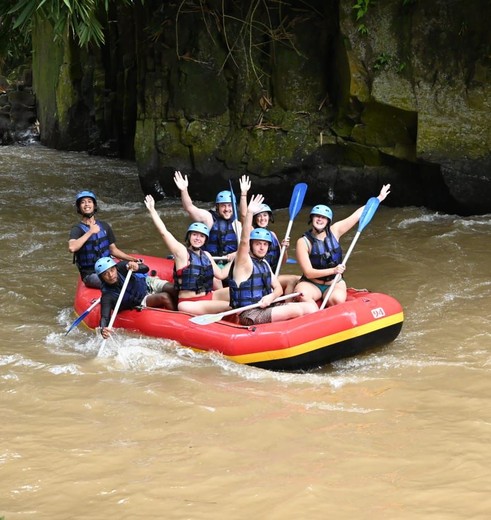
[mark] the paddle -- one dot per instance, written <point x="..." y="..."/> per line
<point x="116" y="308"/>
<point x="236" y="223"/>
<point x="295" y="206"/>
<point x="82" y="316"/>
<point x="370" y="208"/>
<point x="206" y="319"/>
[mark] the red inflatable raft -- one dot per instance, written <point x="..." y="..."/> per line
<point x="365" y="321"/>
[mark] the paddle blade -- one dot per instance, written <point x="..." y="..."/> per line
<point x="234" y="200"/>
<point x="297" y="199"/>
<point x="82" y="316"/>
<point x="206" y="319"/>
<point x="370" y="209"/>
<point x="77" y="321"/>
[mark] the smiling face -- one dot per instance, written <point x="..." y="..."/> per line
<point x="196" y="240"/>
<point x="259" y="248"/>
<point x="262" y="219"/>
<point x="110" y="276"/>
<point x="225" y="210"/>
<point x="319" y="223"/>
<point x="86" y="206"/>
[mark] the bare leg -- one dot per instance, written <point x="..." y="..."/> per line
<point x="338" y="294"/>
<point x="162" y="299"/>
<point x="204" y="307"/>
<point x="288" y="282"/>
<point x="310" y="292"/>
<point x="293" y="310"/>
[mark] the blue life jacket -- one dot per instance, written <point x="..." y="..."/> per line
<point x="136" y="290"/>
<point x="197" y="276"/>
<point x="325" y="253"/>
<point x="96" y="247"/>
<point x="222" y="239"/>
<point x="254" y="288"/>
<point x="273" y="255"/>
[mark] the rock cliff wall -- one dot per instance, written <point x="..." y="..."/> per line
<point x="338" y="97"/>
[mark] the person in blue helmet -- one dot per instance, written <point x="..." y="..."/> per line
<point x="142" y="290"/>
<point x="263" y="218"/>
<point x="319" y="253"/>
<point x="194" y="268"/>
<point x="222" y="241"/>
<point x="91" y="239"/>
<point x="252" y="281"/>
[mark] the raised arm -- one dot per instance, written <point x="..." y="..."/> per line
<point x="243" y="263"/>
<point x="245" y="186"/>
<point x="196" y="214"/>
<point x="176" y="248"/>
<point x="343" y="226"/>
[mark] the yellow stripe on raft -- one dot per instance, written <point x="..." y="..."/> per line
<point x="319" y="342"/>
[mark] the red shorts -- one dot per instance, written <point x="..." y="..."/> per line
<point x="207" y="296"/>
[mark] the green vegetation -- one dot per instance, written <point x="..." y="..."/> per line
<point x="83" y="19"/>
<point x="360" y="7"/>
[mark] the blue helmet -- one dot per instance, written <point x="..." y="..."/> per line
<point x="261" y="234"/>
<point x="198" y="227"/>
<point x="323" y="211"/>
<point x="103" y="264"/>
<point x="224" y="197"/>
<point x="83" y="194"/>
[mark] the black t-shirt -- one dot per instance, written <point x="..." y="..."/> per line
<point x="76" y="232"/>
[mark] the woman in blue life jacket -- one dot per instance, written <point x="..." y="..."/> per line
<point x="319" y="253"/>
<point x="194" y="268"/>
<point x="262" y="219"/>
<point x="91" y="239"/>
<point x="252" y="280"/>
<point x="222" y="241"/>
<point x="141" y="290"/>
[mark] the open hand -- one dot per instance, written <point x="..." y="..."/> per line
<point x="181" y="181"/>
<point x="384" y="192"/>
<point x="245" y="184"/>
<point x="149" y="202"/>
<point x="255" y="204"/>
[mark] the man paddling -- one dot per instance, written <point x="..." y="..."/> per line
<point x="141" y="290"/>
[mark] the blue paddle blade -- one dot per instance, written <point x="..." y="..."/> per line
<point x="370" y="209"/>
<point x="77" y="321"/>
<point x="291" y="261"/>
<point x="297" y="199"/>
<point x="234" y="200"/>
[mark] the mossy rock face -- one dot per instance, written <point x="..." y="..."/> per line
<point x="297" y="84"/>
<point x="233" y="153"/>
<point x="199" y="92"/>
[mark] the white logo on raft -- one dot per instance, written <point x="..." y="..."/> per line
<point x="378" y="312"/>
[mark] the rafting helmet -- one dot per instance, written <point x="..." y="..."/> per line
<point x="198" y="227"/>
<point x="224" y="197"/>
<point x="322" y="210"/>
<point x="261" y="234"/>
<point x="82" y="195"/>
<point x="103" y="264"/>
<point x="265" y="209"/>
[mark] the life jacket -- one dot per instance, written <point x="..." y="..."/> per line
<point x="324" y="254"/>
<point x="136" y="290"/>
<point x="254" y="288"/>
<point x="96" y="247"/>
<point x="197" y="276"/>
<point x="273" y="255"/>
<point x="222" y="239"/>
